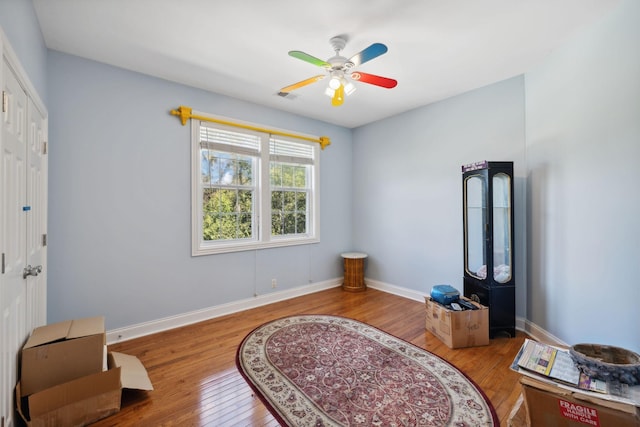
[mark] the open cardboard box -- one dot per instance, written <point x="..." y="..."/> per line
<point x="67" y="379"/>
<point x="549" y="405"/>
<point x="84" y="400"/>
<point x="61" y="352"/>
<point x="457" y="329"/>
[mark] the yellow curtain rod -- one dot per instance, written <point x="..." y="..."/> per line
<point x="185" y="114"/>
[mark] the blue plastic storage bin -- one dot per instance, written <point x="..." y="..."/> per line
<point x="445" y="294"/>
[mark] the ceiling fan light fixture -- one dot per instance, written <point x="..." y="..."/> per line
<point x="349" y="88"/>
<point x="335" y="82"/>
<point x="329" y="92"/>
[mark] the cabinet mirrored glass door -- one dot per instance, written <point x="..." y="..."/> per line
<point x="475" y="191"/>
<point x="502" y="259"/>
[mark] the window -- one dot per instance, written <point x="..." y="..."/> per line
<point x="252" y="189"/>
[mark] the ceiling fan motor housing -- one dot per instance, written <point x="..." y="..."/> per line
<point x="337" y="62"/>
<point x="338" y="43"/>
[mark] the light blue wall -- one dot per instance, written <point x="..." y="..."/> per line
<point x="119" y="188"/>
<point x="407" y="185"/>
<point x="120" y="210"/>
<point x="20" y="24"/>
<point x="583" y="153"/>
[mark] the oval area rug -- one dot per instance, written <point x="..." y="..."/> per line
<point x="320" y="370"/>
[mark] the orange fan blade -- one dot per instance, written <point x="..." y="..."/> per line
<point x="298" y="85"/>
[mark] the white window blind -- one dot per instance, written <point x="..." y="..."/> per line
<point x="281" y="150"/>
<point x="230" y="141"/>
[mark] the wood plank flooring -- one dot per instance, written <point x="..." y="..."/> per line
<point x="196" y="382"/>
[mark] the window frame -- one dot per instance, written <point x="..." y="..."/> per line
<point x="262" y="206"/>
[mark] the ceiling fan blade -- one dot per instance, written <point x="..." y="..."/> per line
<point x="308" y="58"/>
<point x="298" y="85"/>
<point x="374" y="80"/>
<point x="368" y="54"/>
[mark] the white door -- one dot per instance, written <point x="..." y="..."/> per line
<point x="36" y="216"/>
<point x="23" y="181"/>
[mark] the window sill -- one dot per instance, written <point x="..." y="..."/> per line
<point x="241" y="247"/>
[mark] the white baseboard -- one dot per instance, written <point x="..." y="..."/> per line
<point x="539" y="334"/>
<point x="396" y="290"/>
<point x="148" y="328"/>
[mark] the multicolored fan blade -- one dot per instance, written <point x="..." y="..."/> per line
<point x="302" y="83"/>
<point x="310" y="59"/>
<point x="372" y="79"/>
<point x="338" y="96"/>
<point x="368" y="54"/>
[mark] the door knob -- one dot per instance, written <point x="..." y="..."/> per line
<point x="31" y="271"/>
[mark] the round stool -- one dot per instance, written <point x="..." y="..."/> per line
<point x="354" y="271"/>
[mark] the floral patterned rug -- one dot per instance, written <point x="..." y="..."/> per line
<point x="319" y="370"/>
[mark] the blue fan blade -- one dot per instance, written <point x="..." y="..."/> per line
<point x="368" y="54"/>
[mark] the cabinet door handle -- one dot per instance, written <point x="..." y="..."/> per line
<point x="31" y="271"/>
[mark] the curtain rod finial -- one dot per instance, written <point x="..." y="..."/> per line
<point x="183" y="112"/>
<point x="324" y="141"/>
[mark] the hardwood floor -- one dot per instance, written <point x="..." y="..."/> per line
<point x="196" y="382"/>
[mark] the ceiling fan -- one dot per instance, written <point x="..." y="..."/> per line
<point x="339" y="68"/>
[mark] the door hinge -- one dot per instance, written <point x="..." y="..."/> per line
<point x="5" y="102"/>
<point x="44" y="147"/>
<point x="2" y="262"/>
<point x="44" y="240"/>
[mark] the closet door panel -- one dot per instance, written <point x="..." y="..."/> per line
<point x="13" y="229"/>
<point x="36" y="217"/>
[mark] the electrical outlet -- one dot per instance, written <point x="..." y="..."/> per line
<point x="274" y="283"/>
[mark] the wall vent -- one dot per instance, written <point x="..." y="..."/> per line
<point x="288" y="95"/>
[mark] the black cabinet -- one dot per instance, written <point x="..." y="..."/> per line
<point x="487" y="199"/>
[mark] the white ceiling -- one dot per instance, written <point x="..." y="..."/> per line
<point x="437" y="48"/>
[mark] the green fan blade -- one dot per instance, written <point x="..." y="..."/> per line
<point x="310" y="59"/>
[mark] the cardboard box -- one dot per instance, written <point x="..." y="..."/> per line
<point x="518" y="416"/>
<point x="457" y="329"/>
<point x="61" y="352"/>
<point x="549" y="405"/>
<point x="84" y="400"/>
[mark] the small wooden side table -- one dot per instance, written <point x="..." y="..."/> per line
<point x="354" y="271"/>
